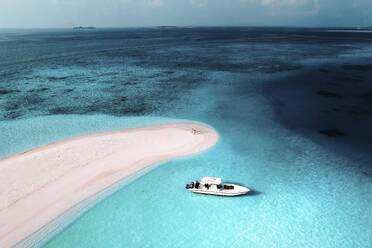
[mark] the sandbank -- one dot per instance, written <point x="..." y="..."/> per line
<point x="39" y="185"/>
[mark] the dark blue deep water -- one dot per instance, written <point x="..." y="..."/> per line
<point x="293" y="108"/>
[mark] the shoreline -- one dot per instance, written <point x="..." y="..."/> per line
<point x="39" y="185"/>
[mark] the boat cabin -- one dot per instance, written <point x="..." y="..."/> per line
<point x="211" y="180"/>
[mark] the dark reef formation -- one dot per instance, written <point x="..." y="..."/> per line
<point x="332" y="132"/>
<point x="334" y="100"/>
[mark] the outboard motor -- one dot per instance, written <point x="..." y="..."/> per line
<point x="190" y="185"/>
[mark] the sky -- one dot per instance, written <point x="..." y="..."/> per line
<point x="128" y="13"/>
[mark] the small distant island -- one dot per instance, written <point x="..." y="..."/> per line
<point x="167" y="27"/>
<point x="81" y="27"/>
<point x="364" y="28"/>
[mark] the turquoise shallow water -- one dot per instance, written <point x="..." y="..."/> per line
<point x="310" y="190"/>
<point x="305" y="195"/>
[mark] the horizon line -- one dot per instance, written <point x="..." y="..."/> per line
<point x="189" y="26"/>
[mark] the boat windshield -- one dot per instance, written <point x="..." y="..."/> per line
<point x="228" y="187"/>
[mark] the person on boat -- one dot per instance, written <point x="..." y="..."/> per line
<point x="197" y="185"/>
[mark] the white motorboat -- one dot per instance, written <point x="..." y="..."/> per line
<point x="214" y="186"/>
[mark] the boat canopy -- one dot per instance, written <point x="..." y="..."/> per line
<point x="211" y="180"/>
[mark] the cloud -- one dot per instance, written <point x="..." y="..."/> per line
<point x="153" y="3"/>
<point x="199" y="3"/>
<point x="55" y="2"/>
<point x="316" y="8"/>
<point x="125" y="2"/>
<point x="285" y="2"/>
<point x="310" y="7"/>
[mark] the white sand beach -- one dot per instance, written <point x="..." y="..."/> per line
<point x="38" y="185"/>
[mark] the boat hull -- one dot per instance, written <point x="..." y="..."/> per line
<point x="220" y="193"/>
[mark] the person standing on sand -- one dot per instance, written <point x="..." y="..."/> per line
<point x="194" y="131"/>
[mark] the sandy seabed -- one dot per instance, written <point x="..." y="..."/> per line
<point x="39" y="185"/>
